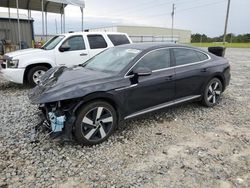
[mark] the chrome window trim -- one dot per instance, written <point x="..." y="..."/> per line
<point x="196" y="62"/>
<point x="158" y="70"/>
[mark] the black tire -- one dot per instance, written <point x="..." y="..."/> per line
<point x="212" y="92"/>
<point x="32" y="71"/>
<point x="91" y="133"/>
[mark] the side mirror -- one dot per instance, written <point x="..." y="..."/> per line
<point x="64" y="48"/>
<point x="142" y="71"/>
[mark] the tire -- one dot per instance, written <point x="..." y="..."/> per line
<point x="212" y="92"/>
<point x="95" y="122"/>
<point x="34" y="73"/>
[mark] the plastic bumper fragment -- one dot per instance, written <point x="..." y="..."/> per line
<point x="57" y="123"/>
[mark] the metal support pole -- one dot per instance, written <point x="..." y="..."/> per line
<point x="63" y="18"/>
<point x="56" y="25"/>
<point x="46" y="26"/>
<point x="18" y="24"/>
<point x="42" y="5"/>
<point x="225" y="29"/>
<point x="82" y="18"/>
<point x="29" y="22"/>
<point x="9" y="24"/>
<point x="172" y="30"/>
<point x="61" y="24"/>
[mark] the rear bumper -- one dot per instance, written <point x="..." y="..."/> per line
<point x="228" y="77"/>
<point x="13" y="75"/>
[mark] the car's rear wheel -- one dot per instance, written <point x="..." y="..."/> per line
<point x="35" y="73"/>
<point x="212" y="92"/>
<point x="95" y="122"/>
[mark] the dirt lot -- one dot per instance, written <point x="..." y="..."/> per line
<point x="184" y="146"/>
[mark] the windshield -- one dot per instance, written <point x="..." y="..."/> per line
<point x="112" y="59"/>
<point x="52" y="42"/>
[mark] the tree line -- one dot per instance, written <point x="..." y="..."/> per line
<point x="230" y="38"/>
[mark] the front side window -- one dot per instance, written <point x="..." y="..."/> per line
<point x="185" y="56"/>
<point x="51" y="44"/>
<point x="97" y="41"/>
<point x="74" y="43"/>
<point x="112" y="59"/>
<point x="155" y="60"/>
<point x="119" y="39"/>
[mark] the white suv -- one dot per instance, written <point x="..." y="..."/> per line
<point x="62" y="50"/>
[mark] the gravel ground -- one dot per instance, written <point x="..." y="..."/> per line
<point x="184" y="146"/>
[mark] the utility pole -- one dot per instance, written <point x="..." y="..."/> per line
<point x="172" y="14"/>
<point x="225" y="29"/>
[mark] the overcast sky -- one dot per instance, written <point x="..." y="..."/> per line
<point x="199" y="16"/>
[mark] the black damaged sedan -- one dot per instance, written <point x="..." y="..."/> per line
<point x="89" y="101"/>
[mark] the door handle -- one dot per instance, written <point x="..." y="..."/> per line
<point x="204" y="70"/>
<point x="83" y="54"/>
<point x="170" y="77"/>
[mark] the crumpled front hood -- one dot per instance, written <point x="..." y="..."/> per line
<point x="24" y="52"/>
<point x="61" y="83"/>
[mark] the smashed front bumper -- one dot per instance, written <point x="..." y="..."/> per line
<point x="58" y="121"/>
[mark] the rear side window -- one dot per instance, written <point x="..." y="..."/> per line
<point x="118" y="39"/>
<point x="155" y="60"/>
<point x="185" y="56"/>
<point x="202" y="56"/>
<point x="97" y="41"/>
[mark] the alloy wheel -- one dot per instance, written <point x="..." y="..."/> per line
<point x="97" y="123"/>
<point x="214" y="92"/>
<point x="37" y="75"/>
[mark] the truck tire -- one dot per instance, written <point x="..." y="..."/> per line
<point x="34" y="74"/>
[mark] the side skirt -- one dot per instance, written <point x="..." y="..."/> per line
<point x="160" y="106"/>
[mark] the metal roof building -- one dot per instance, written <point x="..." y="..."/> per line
<point x="45" y="6"/>
<point x="150" y="34"/>
<point x="9" y="25"/>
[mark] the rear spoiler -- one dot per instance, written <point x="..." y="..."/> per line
<point x="217" y="50"/>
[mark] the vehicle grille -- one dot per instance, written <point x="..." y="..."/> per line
<point x="4" y="61"/>
<point x="3" y="65"/>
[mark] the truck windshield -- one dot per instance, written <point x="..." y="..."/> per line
<point x="112" y="60"/>
<point x="51" y="44"/>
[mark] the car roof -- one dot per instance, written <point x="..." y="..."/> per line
<point x="90" y="32"/>
<point x="152" y="45"/>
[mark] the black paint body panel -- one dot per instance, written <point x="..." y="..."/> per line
<point x="128" y="96"/>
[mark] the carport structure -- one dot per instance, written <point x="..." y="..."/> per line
<point x="45" y="6"/>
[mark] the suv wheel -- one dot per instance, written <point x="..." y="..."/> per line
<point x="212" y="92"/>
<point x="35" y="73"/>
<point x="95" y="122"/>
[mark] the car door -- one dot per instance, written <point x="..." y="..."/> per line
<point x="155" y="89"/>
<point x="97" y="44"/>
<point x="190" y="71"/>
<point x="72" y="51"/>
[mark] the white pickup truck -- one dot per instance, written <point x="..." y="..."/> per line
<point x="62" y="50"/>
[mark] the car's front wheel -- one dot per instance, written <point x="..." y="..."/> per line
<point x="35" y="73"/>
<point x="95" y="122"/>
<point x="212" y="92"/>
